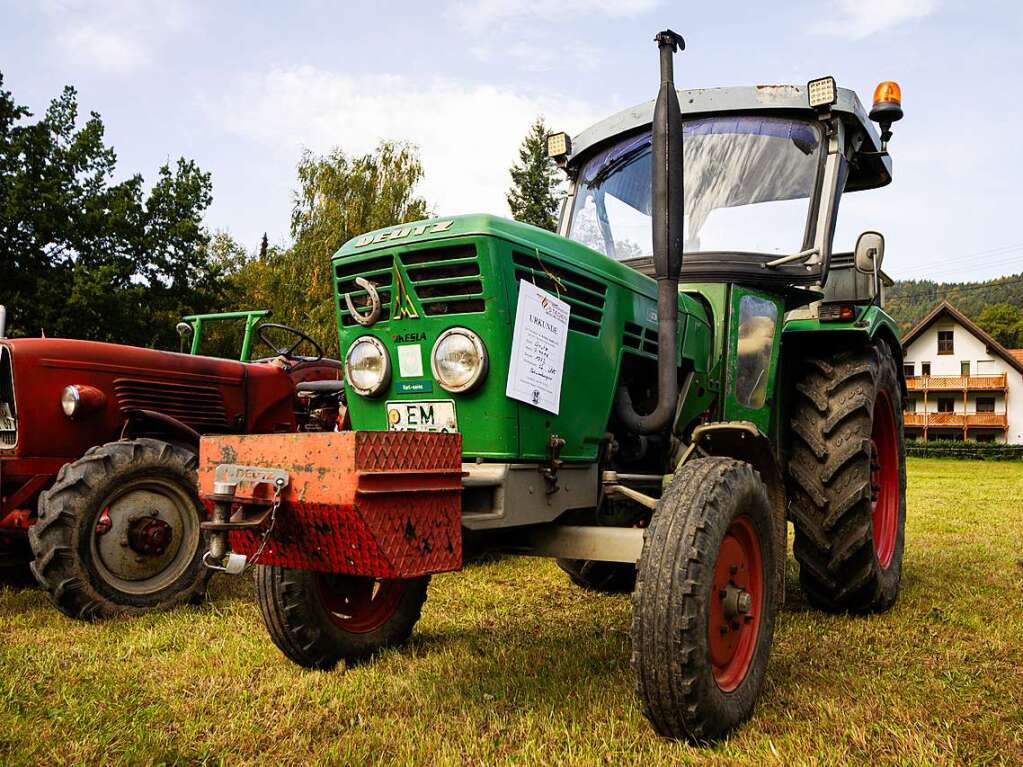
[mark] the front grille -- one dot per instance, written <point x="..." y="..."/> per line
<point x="584" y="294"/>
<point x="445" y="281"/>
<point x="8" y="412"/>
<point x="201" y="407"/>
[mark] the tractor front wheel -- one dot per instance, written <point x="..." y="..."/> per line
<point x="703" y="608"/>
<point x="319" y="619"/>
<point x="119" y="531"/>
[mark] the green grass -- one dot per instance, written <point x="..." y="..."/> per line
<point x="511" y="664"/>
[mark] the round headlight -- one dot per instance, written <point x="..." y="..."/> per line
<point x="367" y="366"/>
<point x="459" y="360"/>
<point x="70" y="400"/>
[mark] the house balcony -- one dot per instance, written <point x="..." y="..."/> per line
<point x="958" y="383"/>
<point x="956" y="420"/>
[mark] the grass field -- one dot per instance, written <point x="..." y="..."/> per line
<point x="511" y="664"/>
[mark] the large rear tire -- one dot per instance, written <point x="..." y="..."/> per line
<point x="847" y="480"/>
<point x="704" y="604"/>
<point x="119" y="531"/>
<point x="320" y="619"/>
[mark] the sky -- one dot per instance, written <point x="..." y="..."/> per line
<point x="244" y="87"/>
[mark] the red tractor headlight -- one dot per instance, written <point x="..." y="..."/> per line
<point x="77" y="401"/>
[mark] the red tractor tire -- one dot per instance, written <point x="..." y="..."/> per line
<point x="704" y="604"/>
<point x="847" y="480"/>
<point x="319" y="619"/>
<point x="118" y="533"/>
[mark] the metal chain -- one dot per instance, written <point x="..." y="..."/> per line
<point x="278" y="487"/>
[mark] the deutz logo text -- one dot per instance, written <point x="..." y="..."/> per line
<point x="405" y="231"/>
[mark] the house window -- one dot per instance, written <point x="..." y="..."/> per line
<point x="945" y="342"/>
<point x="964" y="368"/>
<point x="946" y="405"/>
<point x="985" y="404"/>
<point x="909" y="369"/>
<point x="925" y="368"/>
<point x="910" y="405"/>
<point x="985" y="438"/>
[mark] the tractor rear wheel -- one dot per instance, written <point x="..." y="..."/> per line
<point x="319" y="619"/>
<point x="602" y="577"/>
<point x="119" y="531"/>
<point x="847" y="480"/>
<point x="703" y="608"/>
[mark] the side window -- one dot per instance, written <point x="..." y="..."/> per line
<point x="910" y="405"/>
<point x="964" y="368"/>
<point x="925" y="368"/>
<point x="909" y="369"/>
<point x="758" y="319"/>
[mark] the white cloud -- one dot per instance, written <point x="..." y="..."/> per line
<point x="113" y="36"/>
<point x="468" y="134"/>
<point x="478" y="15"/>
<point x="857" y="19"/>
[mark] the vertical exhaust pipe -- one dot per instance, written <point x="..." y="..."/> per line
<point x="668" y="203"/>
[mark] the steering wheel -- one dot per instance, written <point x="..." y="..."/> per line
<point x="288" y="351"/>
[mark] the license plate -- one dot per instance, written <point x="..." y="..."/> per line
<point x="422" y="415"/>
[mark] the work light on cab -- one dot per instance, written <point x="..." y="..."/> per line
<point x="367" y="366"/>
<point x="459" y="360"/>
<point x="559" y="147"/>
<point x="822" y="93"/>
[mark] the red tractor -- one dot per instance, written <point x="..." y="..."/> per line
<point x="98" y="454"/>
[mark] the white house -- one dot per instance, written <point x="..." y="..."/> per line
<point x="962" y="383"/>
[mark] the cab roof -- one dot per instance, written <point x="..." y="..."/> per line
<point x="865" y="172"/>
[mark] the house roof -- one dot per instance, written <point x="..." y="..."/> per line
<point x="1012" y="356"/>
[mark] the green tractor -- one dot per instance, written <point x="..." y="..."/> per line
<point x="563" y="395"/>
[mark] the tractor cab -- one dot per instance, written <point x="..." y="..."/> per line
<point x="764" y="170"/>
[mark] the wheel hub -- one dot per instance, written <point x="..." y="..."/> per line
<point x="359" y="604"/>
<point x="149" y="536"/>
<point x="736" y="602"/>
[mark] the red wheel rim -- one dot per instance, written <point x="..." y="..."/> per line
<point x="884" y="480"/>
<point x="736" y="603"/>
<point x="359" y="604"/>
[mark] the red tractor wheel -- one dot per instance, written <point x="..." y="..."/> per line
<point x="847" y="480"/>
<point x="119" y="531"/>
<point x="319" y="619"/>
<point x="703" y="608"/>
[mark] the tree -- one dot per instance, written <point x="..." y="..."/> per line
<point x="338" y="197"/>
<point x="1004" y="322"/>
<point x="532" y="196"/>
<point x="81" y="256"/>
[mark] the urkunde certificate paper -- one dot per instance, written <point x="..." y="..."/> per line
<point x="538" y="348"/>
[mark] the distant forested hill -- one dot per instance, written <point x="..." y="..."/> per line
<point x="909" y="300"/>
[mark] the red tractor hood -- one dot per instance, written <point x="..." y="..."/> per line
<point x="207" y="394"/>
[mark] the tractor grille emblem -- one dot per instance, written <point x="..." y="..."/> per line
<point x="404" y="306"/>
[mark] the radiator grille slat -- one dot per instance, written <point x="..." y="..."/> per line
<point x="584" y="294"/>
<point x="201" y="407"/>
<point x="445" y="280"/>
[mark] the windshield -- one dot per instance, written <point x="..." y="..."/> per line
<point x="748" y="181"/>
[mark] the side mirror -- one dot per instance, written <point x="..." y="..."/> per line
<point x="869" y="252"/>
